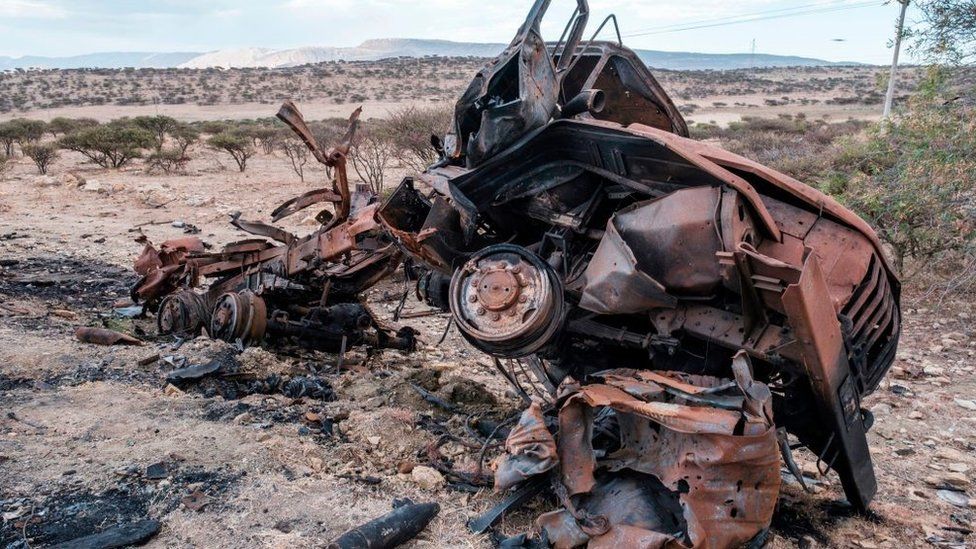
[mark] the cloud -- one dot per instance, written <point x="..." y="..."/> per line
<point x="35" y="9"/>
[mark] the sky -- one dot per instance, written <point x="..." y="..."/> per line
<point x="835" y="30"/>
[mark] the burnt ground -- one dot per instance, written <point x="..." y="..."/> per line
<point x="93" y="436"/>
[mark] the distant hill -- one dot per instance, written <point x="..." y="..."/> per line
<point x="372" y="50"/>
<point x="110" y="60"/>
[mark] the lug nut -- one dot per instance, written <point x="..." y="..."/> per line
<point x="473" y="298"/>
<point x="496" y="317"/>
<point x="481" y="311"/>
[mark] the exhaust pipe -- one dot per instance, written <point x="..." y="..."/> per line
<point x="591" y="101"/>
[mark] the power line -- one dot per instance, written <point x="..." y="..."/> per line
<point x="738" y="16"/>
<point x="694" y="26"/>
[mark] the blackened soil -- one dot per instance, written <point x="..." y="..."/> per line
<point x="63" y="513"/>
<point x="66" y="281"/>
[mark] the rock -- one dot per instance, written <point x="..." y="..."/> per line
<point x="427" y="478"/>
<point x="93" y="186"/>
<point x="932" y="370"/>
<point x="198" y="201"/>
<point x="881" y="409"/>
<point x="406" y="467"/>
<point x="375" y="441"/>
<point x="71" y="178"/>
<point x="958" y="499"/>
<point x="243" y="418"/>
<point x="156" y="198"/>
<point x="172" y="390"/>
<point x="45" y="181"/>
<point x="958" y="467"/>
<point x="955" y="480"/>
<point x="967" y="404"/>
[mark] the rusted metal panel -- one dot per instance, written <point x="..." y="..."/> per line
<point x="813" y="318"/>
<point x="682" y="474"/>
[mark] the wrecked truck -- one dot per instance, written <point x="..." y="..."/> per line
<point x="679" y="317"/>
<point x="575" y="232"/>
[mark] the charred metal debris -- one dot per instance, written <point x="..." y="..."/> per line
<point x="279" y="285"/>
<point x="677" y="315"/>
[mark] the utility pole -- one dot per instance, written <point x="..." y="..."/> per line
<point x="890" y="96"/>
<point x="752" y="55"/>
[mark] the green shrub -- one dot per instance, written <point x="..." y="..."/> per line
<point x="31" y="131"/>
<point x="62" y="125"/>
<point x="167" y="160"/>
<point x="110" y="145"/>
<point x="184" y="136"/>
<point x="21" y="131"/>
<point x="8" y="136"/>
<point x="916" y="181"/>
<point x="296" y="152"/>
<point x="43" y="155"/>
<point x="238" y="146"/>
<point x="410" y="130"/>
<point x="158" y="126"/>
<point x="213" y="127"/>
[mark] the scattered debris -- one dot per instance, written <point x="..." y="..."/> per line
<point x="398" y="526"/>
<point x="280" y="286"/>
<point x="157" y="471"/>
<point x="427" y="478"/>
<point x="104" y="336"/>
<point x="124" y="535"/>
<point x="195" y="500"/>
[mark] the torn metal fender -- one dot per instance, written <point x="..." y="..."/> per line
<point x="808" y="306"/>
<point x="653" y="460"/>
<point x="530" y="450"/>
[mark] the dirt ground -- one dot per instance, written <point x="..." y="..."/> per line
<point x="85" y="429"/>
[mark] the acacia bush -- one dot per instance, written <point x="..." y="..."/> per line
<point x="61" y="125"/>
<point x="296" y="152"/>
<point x="410" y="130"/>
<point x="29" y="131"/>
<point x="43" y="155"/>
<point x="8" y="136"/>
<point x="167" y="160"/>
<point x="4" y="165"/>
<point x="158" y="126"/>
<point x="372" y="153"/>
<point x="21" y="131"/>
<point x="238" y="146"/>
<point x="184" y="136"/>
<point x="111" y="145"/>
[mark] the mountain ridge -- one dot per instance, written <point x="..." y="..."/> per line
<point x="380" y="48"/>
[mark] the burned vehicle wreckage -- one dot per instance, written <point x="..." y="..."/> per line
<point x="685" y="309"/>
